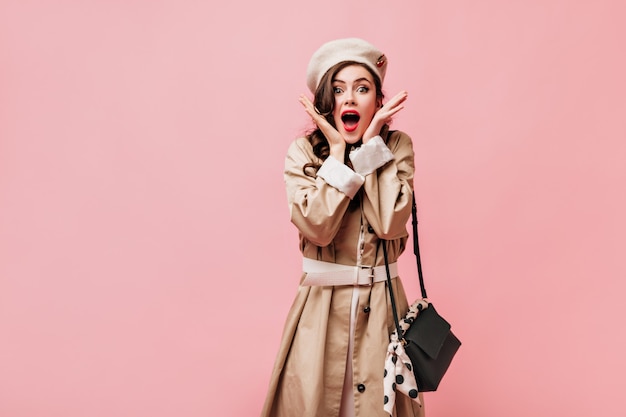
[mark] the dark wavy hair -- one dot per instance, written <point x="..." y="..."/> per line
<point x="324" y="101"/>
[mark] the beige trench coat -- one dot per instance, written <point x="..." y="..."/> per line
<point x="310" y="367"/>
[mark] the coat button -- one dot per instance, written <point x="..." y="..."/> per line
<point x="367" y="309"/>
<point x="360" y="387"/>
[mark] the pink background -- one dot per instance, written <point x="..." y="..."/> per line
<point x="147" y="261"/>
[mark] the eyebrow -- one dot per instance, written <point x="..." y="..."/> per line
<point x="358" y="80"/>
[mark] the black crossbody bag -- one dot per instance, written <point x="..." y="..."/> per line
<point x="429" y="341"/>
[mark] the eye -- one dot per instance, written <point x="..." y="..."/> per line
<point x="337" y="90"/>
<point x="362" y="89"/>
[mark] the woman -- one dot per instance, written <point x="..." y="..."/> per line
<point x="349" y="187"/>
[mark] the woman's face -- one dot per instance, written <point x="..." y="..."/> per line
<point x="355" y="101"/>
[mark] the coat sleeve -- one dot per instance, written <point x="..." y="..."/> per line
<point x="389" y="189"/>
<point x="317" y="203"/>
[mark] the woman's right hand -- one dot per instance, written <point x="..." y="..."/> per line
<point x="336" y="141"/>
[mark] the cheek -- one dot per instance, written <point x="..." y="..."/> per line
<point x="372" y="107"/>
<point x="337" y="118"/>
<point x="336" y="108"/>
<point x="369" y="115"/>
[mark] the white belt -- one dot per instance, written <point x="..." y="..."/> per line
<point x="328" y="273"/>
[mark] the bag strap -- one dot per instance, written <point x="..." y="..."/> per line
<point x="416" y="248"/>
<point x="391" y="296"/>
<point x="416" y="251"/>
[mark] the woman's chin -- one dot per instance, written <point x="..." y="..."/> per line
<point x="352" y="137"/>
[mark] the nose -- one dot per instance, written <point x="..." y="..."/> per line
<point x="349" y="98"/>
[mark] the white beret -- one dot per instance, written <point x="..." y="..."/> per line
<point x="339" y="50"/>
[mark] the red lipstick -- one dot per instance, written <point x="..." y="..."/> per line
<point x="350" y="119"/>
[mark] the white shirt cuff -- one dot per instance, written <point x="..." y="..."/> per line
<point x="340" y="176"/>
<point x="371" y="156"/>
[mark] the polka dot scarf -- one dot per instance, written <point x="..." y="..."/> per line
<point x="398" y="368"/>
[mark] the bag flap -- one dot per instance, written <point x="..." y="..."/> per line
<point x="428" y="331"/>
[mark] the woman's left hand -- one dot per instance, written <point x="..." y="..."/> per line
<point x="384" y="114"/>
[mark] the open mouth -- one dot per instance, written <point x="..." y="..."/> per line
<point x="350" y="119"/>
